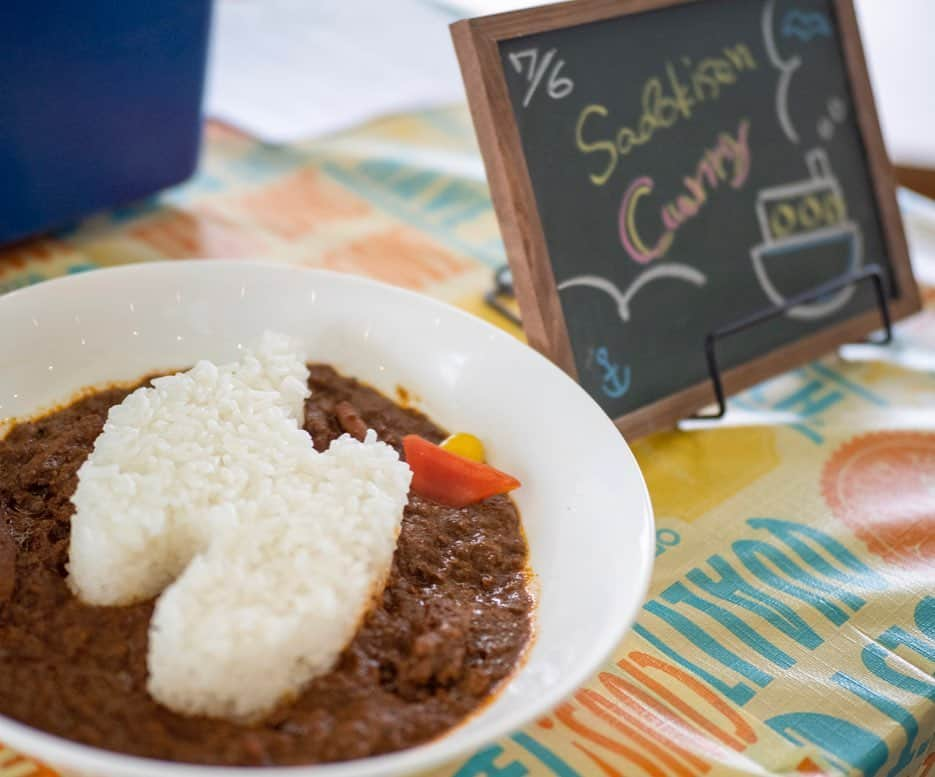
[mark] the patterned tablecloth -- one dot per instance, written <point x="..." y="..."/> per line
<point x="790" y="626"/>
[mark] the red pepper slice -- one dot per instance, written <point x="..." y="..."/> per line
<point x="450" y="479"/>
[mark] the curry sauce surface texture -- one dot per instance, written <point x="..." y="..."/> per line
<point x="453" y="621"/>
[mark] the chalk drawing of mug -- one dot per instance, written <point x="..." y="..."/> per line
<point x="803" y="224"/>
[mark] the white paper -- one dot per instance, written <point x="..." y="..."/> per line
<point x="484" y="7"/>
<point x="287" y="70"/>
<point x="919" y="219"/>
<point x="901" y="59"/>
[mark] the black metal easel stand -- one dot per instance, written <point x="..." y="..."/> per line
<point x="503" y="287"/>
<point x="871" y="272"/>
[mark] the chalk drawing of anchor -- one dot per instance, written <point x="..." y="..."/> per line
<point x="613" y="385"/>
<point x="799" y="222"/>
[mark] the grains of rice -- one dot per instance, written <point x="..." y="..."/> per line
<point x="205" y="489"/>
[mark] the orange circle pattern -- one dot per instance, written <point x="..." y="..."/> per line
<point x="882" y="485"/>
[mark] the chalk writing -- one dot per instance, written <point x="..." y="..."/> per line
<point x="682" y="272"/>
<point x="535" y="68"/>
<point x="805" y="26"/>
<point x="825" y="128"/>
<point x="612" y="384"/>
<point x="837" y="113"/>
<point x="786" y="68"/>
<point x="727" y="162"/>
<point x="664" y="103"/>
<point x="837" y="109"/>
<point x="679" y="149"/>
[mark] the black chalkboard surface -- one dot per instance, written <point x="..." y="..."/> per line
<point x="679" y="166"/>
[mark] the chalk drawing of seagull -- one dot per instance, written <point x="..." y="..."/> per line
<point x="681" y="272"/>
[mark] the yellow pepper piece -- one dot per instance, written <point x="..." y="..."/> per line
<point x="465" y="445"/>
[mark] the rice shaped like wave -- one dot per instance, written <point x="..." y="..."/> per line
<point x="267" y="554"/>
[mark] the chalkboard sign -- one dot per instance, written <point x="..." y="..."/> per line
<point x="661" y="168"/>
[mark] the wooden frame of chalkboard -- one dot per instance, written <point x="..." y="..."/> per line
<point x="477" y="43"/>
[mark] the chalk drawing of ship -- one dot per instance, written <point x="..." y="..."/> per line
<point x="805" y="224"/>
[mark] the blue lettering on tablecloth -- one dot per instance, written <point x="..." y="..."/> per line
<point x="809" y="393"/>
<point x="484" y="762"/>
<point x="262" y="163"/>
<point x="739" y="693"/>
<point x="665" y="539"/>
<point x="30" y="278"/>
<point x="800" y="561"/>
<point x="80" y="267"/>
<point x="856" y="747"/>
<point x="889" y="708"/>
<point x="457" y="203"/>
<point x="678" y="593"/>
<point x="132" y="212"/>
<point x="731" y="587"/>
<point x="450" y="123"/>
<point x="703" y="640"/>
<point x="439" y="204"/>
<point x="857" y="573"/>
<point x="21" y="281"/>
<point x="755" y="553"/>
<point x="788" y="563"/>
<point x="875" y="655"/>
<point x="557" y="765"/>
<point x="925" y="617"/>
<point x="845" y="744"/>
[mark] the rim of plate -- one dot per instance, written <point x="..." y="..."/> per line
<point x="436" y="752"/>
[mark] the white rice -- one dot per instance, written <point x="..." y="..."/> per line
<point x="275" y="550"/>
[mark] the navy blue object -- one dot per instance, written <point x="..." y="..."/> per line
<point x="100" y="104"/>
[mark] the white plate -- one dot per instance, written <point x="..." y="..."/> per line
<point x="584" y="503"/>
